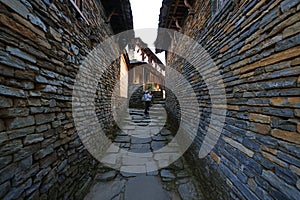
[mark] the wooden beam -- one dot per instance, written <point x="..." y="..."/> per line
<point x="174" y="11"/>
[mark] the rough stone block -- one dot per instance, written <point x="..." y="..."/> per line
<point x="6" y="71"/>
<point x="43" y="152"/>
<point x="4" y="188"/>
<point x="17" y="191"/>
<point x="33" y="138"/>
<point x="17" y="133"/>
<point x="43" y="128"/>
<point x="14" y="112"/>
<point x="286" y="175"/>
<point x="44" y="118"/>
<point x="260" y="128"/>
<point x="8" y="172"/>
<point x="5" y="102"/>
<point x="288" y="158"/>
<point x="286" y="102"/>
<point x="295" y="169"/>
<point x="214" y="156"/>
<point x="25" y="74"/>
<point x="287" y="5"/>
<point x="17" y="6"/>
<point x="260" y="118"/>
<point x="274" y="159"/>
<point x="11" y="147"/>
<point x="5" y="160"/>
<point x="291" y="30"/>
<point x="20" y="122"/>
<point x="48" y="160"/>
<point x="286" y="135"/>
<point x="37" y="21"/>
<point x="276" y="182"/>
<point x="288" y="113"/>
<point x="9" y="91"/>
<point x="2" y="128"/>
<point x="34" y="102"/>
<point x="239" y="146"/>
<point x="17" y="52"/>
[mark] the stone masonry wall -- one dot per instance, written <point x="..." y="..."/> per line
<point x="256" y="46"/>
<point x="42" y="43"/>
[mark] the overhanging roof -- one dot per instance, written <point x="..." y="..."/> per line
<point x="120" y="14"/>
<point x="172" y="15"/>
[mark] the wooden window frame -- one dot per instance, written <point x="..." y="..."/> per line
<point x="78" y="5"/>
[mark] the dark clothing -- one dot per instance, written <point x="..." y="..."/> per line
<point x="147" y="106"/>
<point x="147" y="98"/>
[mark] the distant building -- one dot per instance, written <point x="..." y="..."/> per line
<point x="145" y="67"/>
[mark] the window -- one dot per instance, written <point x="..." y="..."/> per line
<point x="79" y="6"/>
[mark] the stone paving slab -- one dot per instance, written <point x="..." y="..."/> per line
<point x="145" y="188"/>
<point x="106" y="190"/>
<point x="144" y="138"/>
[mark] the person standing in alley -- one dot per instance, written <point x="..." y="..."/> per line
<point x="147" y="98"/>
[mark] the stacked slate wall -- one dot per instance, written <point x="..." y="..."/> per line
<point x="256" y="47"/>
<point x="42" y="44"/>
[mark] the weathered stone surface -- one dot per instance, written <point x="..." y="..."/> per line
<point x="5" y="102"/>
<point x="37" y="82"/>
<point x="34" y="102"/>
<point x="44" y="118"/>
<point x="8" y="172"/>
<point x="237" y="145"/>
<point x="286" y="102"/>
<point x="11" y="147"/>
<point x="75" y="49"/>
<point x="20" y="122"/>
<point x="15" y="193"/>
<point x="148" y="187"/>
<point x="215" y="157"/>
<point x="33" y="138"/>
<point x="17" y="133"/>
<point x="17" y="6"/>
<point x="37" y="21"/>
<point x="122" y="139"/>
<point x="109" y="190"/>
<point x="276" y="182"/>
<point x="135" y="140"/>
<point x="167" y="174"/>
<point x="259" y="118"/>
<point x="155" y="145"/>
<point x="15" y="112"/>
<point x="56" y="34"/>
<point x="107" y="176"/>
<point x="4" y="188"/>
<point x="287" y="4"/>
<point x="188" y="191"/>
<point x="254" y="46"/>
<point x="5" y="160"/>
<point x="2" y="127"/>
<point x="20" y="54"/>
<point x="286" y="135"/>
<point x="274" y="159"/>
<point x="9" y="91"/>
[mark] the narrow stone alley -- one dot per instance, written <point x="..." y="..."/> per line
<point x="142" y="134"/>
<point x="225" y="118"/>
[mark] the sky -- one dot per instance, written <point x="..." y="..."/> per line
<point x="146" y="15"/>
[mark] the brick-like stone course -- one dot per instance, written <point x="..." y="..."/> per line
<point x="255" y="45"/>
<point x="42" y="44"/>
